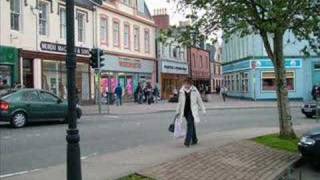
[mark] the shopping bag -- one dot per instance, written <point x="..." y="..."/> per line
<point x="179" y="131"/>
<point x="171" y="126"/>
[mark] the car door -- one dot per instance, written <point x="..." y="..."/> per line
<point x="55" y="107"/>
<point x="31" y="102"/>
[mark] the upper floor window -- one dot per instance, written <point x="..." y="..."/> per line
<point x="116" y="33"/>
<point x="147" y="41"/>
<point x="63" y="24"/>
<point x="126" y="36"/>
<point x="201" y="62"/>
<point x="15" y="14"/>
<point x="81" y="26"/>
<point x="194" y="60"/>
<point x="104" y="30"/>
<point x="127" y="2"/>
<point x="43" y="18"/>
<point x="175" y="52"/>
<point x="136" y="40"/>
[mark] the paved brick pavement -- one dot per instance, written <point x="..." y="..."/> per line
<point x="242" y="160"/>
<point x="215" y="102"/>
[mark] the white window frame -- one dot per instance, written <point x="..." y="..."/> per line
<point x="116" y="33"/>
<point x="18" y="13"/>
<point x="147" y="41"/>
<point x="104" y="31"/>
<point x="126" y="35"/>
<point x="45" y="31"/>
<point x="136" y="38"/>
<point x="63" y="23"/>
<point x="266" y="91"/>
<point x="81" y="30"/>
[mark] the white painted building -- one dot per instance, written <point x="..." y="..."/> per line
<point x="125" y="31"/>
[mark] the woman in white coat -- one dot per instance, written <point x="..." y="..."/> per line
<point x="189" y="104"/>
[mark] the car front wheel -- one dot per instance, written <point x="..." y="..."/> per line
<point x="19" y="119"/>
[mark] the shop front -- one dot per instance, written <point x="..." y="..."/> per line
<point x="255" y="79"/>
<point x="47" y="70"/>
<point x="128" y="72"/>
<point x="9" y="63"/>
<point x="172" y="77"/>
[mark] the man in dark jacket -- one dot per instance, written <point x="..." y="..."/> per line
<point x="118" y="92"/>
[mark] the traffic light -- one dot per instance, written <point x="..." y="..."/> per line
<point x="96" y="58"/>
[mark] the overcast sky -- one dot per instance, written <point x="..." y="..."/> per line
<point x="175" y="16"/>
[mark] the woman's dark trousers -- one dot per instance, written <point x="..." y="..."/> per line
<point x="191" y="137"/>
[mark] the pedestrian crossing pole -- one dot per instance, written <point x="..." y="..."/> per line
<point x="99" y="81"/>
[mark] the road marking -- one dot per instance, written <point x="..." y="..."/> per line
<point x="18" y="173"/>
<point x="86" y="157"/>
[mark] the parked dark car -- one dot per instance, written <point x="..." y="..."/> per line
<point x="309" y="146"/>
<point x="31" y="105"/>
<point x="309" y="109"/>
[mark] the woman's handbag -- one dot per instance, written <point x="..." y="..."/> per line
<point x="171" y="126"/>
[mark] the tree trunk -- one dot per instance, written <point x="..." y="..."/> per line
<point x="285" y="118"/>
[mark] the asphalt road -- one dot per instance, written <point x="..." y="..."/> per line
<point x="43" y="144"/>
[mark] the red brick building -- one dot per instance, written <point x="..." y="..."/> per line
<point x="199" y="65"/>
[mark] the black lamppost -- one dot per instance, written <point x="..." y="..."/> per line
<point x="73" y="138"/>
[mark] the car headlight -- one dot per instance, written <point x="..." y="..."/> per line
<point x="307" y="141"/>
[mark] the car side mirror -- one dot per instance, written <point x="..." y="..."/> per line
<point x="59" y="101"/>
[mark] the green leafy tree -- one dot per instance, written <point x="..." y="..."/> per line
<point x="270" y="19"/>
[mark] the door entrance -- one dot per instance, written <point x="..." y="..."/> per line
<point x="28" y="73"/>
<point x="316" y="74"/>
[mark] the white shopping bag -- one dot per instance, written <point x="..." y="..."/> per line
<point x="179" y="131"/>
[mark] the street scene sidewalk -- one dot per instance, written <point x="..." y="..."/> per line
<point x="241" y="160"/>
<point x="215" y="102"/>
<point x="234" y="150"/>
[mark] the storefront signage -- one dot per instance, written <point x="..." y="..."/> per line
<point x="174" y="67"/>
<point x="289" y="63"/>
<point x="127" y="63"/>
<point x="61" y="48"/>
<point x="122" y="64"/>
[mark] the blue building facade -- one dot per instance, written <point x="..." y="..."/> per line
<point x="249" y="73"/>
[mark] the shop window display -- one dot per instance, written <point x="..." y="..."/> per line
<point x="5" y="74"/>
<point x="269" y="81"/>
<point x="54" y="79"/>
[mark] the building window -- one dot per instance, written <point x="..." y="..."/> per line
<point x="201" y="62"/>
<point x="15" y="14"/>
<point x="317" y="67"/>
<point x="147" y="41"/>
<point x="81" y="26"/>
<point x="269" y="81"/>
<point x="126" y="36"/>
<point x="116" y="33"/>
<point x="63" y="24"/>
<point x="175" y="52"/>
<point x="104" y="30"/>
<point x="136" y="40"/>
<point x="245" y="82"/>
<point x="43" y="18"/>
<point x="126" y="2"/>
<point x="194" y="60"/>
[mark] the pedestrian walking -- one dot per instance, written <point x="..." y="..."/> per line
<point x="148" y="93"/>
<point x="188" y="107"/>
<point x="118" y="92"/>
<point x="224" y="92"/>
<point x="156" y="94"/>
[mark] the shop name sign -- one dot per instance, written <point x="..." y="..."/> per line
<point x="61" y="48"/>
<point x="174" y="68"/>
<point x="127" y="64"/>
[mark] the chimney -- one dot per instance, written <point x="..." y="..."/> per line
<point x="161" y="18"/>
